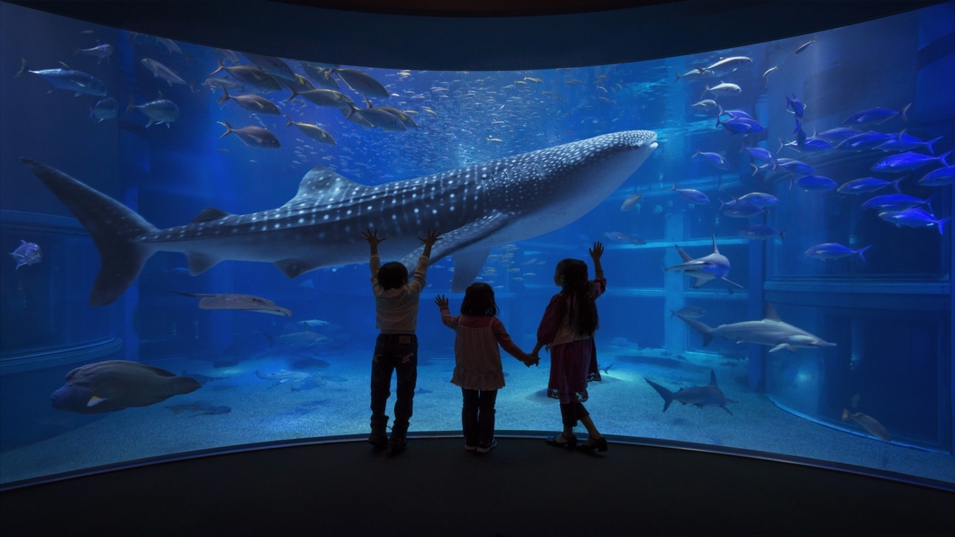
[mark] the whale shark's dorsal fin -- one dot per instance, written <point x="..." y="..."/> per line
<point x="771" y="314"/>
<point x="209" y="214"/>
<point x="715" y="249"/>
<point x="318" y="181"/>
<point x="712" y="378"/>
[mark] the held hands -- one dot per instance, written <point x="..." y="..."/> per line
<point x="441" y="301"/>
<point x="596" y="251"/>
<point x="532" y="359"/>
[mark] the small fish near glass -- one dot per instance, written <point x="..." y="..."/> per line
<point x="28" y="253"/>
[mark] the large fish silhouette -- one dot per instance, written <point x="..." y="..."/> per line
<point x="476" y="207"/>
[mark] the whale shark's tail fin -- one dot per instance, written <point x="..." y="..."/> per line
<point x="666" y="394"/>
<point x="703" y="329"/>
<point x="114" y="229"/>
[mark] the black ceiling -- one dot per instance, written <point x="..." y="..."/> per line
<point x="476" y="34"/>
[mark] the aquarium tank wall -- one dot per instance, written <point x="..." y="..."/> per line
<point x="185" y="269"/>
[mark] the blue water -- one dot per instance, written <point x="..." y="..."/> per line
<point x="889" y="314"/>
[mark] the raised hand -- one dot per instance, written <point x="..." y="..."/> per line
<point x="441" y="301"/>
<point x="429" y="241"/>
<point x="596" y="251"/>
<point x="372" y="236"/>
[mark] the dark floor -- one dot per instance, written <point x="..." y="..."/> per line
<point x="522" y="488"/>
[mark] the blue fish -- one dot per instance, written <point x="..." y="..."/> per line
<point x="800" y="136"/>
<point x="735" y="114"/>
<point x="904" y="162"/>
<point x="914" y="218"/>
<point x="866" y="140"/>
<point x="762" y="232"/>
<point x="894" y="202"/>
<point x="794" y="166"/>
<point x="906" y="142"/>
<point x="838" y="134"/>
<point x="867" y="184"/>
<point x="795" y="106"/>
<point x="817" y="182"/>
<point x="760" y="154"/>
<point x="741" y="210"/>
<point x="876" y="115"/>
<point x="740" y="125"/>
<point x="939" y="177"/>
<point x="834" y="250"/>
<point x="67" y="79"/>
<point x="104" y="109"/>
<point x="757" y="199"/>
<point x="28" y="253"/>
<point x="690" y="195"/>
<point x="713" y="158"/>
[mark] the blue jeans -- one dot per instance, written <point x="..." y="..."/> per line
<point x="394" y="353"/>
<point x="477" y="416"/>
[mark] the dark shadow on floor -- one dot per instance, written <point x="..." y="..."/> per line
<point x="436" y="488"/>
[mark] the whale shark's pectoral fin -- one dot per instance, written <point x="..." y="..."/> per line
<point x="199" y="263"/>
<point x="466" y="246"/>
<point x="293" y="267"/>
<point x="782" y="346"/>
<point x="94" y="400"/>
<point x="467" y="265"/>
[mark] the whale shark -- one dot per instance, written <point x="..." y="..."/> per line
<point x="710" y="267"/>
<point x="475" y="207"/>
<point x="769" y="331"/>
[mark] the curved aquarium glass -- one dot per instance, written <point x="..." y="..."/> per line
<point x="188" y="272"/>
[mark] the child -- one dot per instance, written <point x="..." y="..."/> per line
<point x="477" y="361"/>
<point x="396" y="312"/>
<point x="567" y="330"/>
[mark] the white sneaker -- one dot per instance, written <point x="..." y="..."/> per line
<point x="469" y="447"/>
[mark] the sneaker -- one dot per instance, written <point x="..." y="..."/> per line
<point x="470" y="447"/>
<point x="484" y="448"/>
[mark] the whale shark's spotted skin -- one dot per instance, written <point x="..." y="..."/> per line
<point x="475" y="207"/>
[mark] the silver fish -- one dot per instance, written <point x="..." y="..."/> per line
<point x="161" y="71"/>
<point x="699" y="396"/>
<point x="28" y="253"/>
<point x="67" y="79"/>
<point x="160" y="111"/>
<point x="707" y="268"/>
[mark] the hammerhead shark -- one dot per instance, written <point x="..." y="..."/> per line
<point x="476" y="207"/>
<point x="698" y="396"/>
<point x="770" y="331"/>
<point x="710" y="267"/>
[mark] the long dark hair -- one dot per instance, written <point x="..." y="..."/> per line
<point x="577" y="291"/>
<point x="479" y="300"/>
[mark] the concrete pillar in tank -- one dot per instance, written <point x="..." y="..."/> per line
<point x="676" y="157"/>
<point x="673" y="285"/>
<point x="134" y="169"/>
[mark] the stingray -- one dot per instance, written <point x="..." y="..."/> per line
<point x="233" y="301"/>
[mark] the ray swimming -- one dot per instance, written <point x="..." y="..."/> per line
<point x="476" y="207"/>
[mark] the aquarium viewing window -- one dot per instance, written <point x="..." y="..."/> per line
<point x="776" y="219"/>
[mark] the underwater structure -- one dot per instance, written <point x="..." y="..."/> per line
<point x="185" y="271"/>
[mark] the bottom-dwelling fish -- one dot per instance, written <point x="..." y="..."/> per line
<point x="118" y="384"/>
<point x="868" y="423"/>
<point x="699" y="396"/>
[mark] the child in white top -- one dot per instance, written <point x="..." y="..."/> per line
<point x="477" y="361"/>
<point x="396" y="349"/>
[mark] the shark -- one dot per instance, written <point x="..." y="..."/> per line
<point x="475" y="207"/>
<point x="698" y="396"/>
<point x="769" y="331"/>
<point x="710" y="267"/>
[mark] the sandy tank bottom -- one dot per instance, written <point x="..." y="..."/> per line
<point x="622" y="404"/>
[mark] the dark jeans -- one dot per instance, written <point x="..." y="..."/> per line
<point x="477" y="416"/>
<point x="394" y="352"/>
